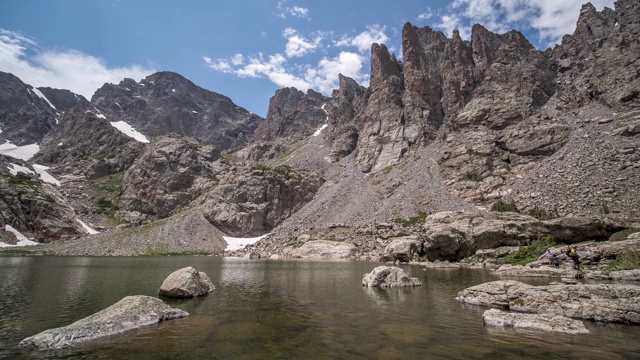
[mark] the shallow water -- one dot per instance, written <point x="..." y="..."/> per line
<point x="277" y="310"/>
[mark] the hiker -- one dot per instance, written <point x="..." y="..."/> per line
<point x="553" y="260"/>
<point x="573" y="254"/>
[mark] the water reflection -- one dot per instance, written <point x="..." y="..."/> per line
<point x="276" y="309"/>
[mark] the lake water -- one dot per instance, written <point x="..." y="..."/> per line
<point x="277" y="310"/>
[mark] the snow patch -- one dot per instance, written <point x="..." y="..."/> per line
<point x="44" y="175"/>
<point x="15" y="169"/>
<point x="174" y="90"/>
<point x="320" y="129"/>
<point x="22" y="240"/>
<point x="41" y="96"/>
<point x="128" y="130"/>
<point x="24" y="152"/>
<point x="193" y="111"/>
<point x="234" y="243"/>
<point x="87" y="228"/>
<point x="59" y="144"/>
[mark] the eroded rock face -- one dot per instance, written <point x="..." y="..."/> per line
<point x="172" y="171"/>
<point x="186" y="283"/>
<point x="598" y="302"/>
<point x="403" y="249"/>
<point x="536" y="322"/>
<point x="130" y="313"/>
<point x="388" y="277"/>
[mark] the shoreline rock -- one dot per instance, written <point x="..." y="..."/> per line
<point x="132" y="312"/>
<point x="534" y="322"/>
<point x="388" y="277"/>
<point x="186" y="283"/>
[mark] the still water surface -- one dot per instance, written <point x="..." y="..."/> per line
<point x="276" y="310"/>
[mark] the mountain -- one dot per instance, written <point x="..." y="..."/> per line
<point x="456" y="125"/>
<point x="166" y="102"/>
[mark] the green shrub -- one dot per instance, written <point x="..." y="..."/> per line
<point x="628" y="260"/>
<point x="420" y="218"/>
<point x="504" y="207"/>
<point x="621" y="235"/>
<point x="527" y="254"/>
<point x="472" y="177"/>
<point x="542" y="214"/>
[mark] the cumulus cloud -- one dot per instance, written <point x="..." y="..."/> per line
<point x="295" y="11"/>
<point x="297" y="45"/>
<point x="364" y="40"/>
<point x="322" y="77"/>
<point x="67" y="69"/>
<point x="425" y="15"/>
<point x="551" y="19"/>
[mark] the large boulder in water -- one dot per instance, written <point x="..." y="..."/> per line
<point x="389" y="276"/>
<point x="598" y="302"/>
<point x="186" y="283"/>
<point x="130" y="313"/>
<point x="535" y="322"/>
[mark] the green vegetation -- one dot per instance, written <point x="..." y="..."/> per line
<point x="105" y="206"/>
<point x="21" y="179"/>
<point x="284" y="170"/>
<point x="542" y="214"/>
<point x="621" y="235"/>
<point x="471" y="152"/>
<point x="518" y="302"/>
<point x="504" y="207"/>
<point x="419" y="219"/>
<point x="159" y="252"/>
<point x="629" y="260"/>
<point x="111" y="184"/>
<point x="141" y="206"/>
<point x="527" y="254"/>
<point x="472" y="177"/>
<point x="387" y="170"/>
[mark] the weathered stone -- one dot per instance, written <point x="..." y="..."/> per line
<point x="626" y="275"/>
<point x="186" y="283"/>
<point x="598" y="302"/>
<point x="132" y="312"/>
<point x="536" y="322"/>
<point x="388" y="277"/>
<point x="404" y="249"/>
<point x="321" y="249"/>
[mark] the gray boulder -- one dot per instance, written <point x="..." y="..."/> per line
<point x="536" y="322"/>
<point x="598" y="302"/>
<point x="132" y="312"/>
<point x="403" y="249"/>
<point x="186" y="283"/>
<point x="389" y="276"/>
<point x="626" y="275"/>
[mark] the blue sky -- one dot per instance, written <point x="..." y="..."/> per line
<point x="243" y="49"/>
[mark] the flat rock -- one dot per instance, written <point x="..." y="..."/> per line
<point x="535" y="322"/>
<point x="614" y="303"/>
<point x="389" y="276"/>
<point x="186" y="283"/>
<point x="132" y="312"/>
<point x="322" y="249"/>
<point x="626" y="275"/>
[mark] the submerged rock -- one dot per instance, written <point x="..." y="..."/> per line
<point x="599" y="302"/>
<point x="389" y="276"/>
<point x="186" y="283"/>
<point x="132" y="312"/>
<point x="537" y="322"/>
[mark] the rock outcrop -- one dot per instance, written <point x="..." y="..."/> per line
<point x="535" y="322"/>
<point x="186" y="283"/>
<point x="132" y="312"/>
<point x="321" y="249"/>
<point x="597" y="302"/>
<point x="389" y="277"/>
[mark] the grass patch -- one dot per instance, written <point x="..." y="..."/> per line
<point x="157" y="252"/>
<point x="628" y="260"/>
<point x="419" y="219"/>
<point x="527" y="254"/>
<point x="142" y="207"/>
<point x="542" y="214"/>
<point x="110" y="184"/>
<point x="105" y="206"/>
<point x="621" y="235"/>
<point x="387" y="170"/>
<point x="21" y="179"/>
<point x="502" y="206"/>
<point x="472" y="177"/>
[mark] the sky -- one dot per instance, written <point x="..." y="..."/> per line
<point x="243" y="49"/>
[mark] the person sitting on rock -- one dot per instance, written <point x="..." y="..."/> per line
<point x="553" y="260"/>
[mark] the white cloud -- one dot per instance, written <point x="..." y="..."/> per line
<point x="425" y="15"/>
<point x="364" y="40"/>
<point x="296" y="11"/>
<point x="551" y="19"/>
<point x="324" y="77"/>
<point x="299" y="12"/>
<point x="66" y="69"/>
<point x="297" y="45"/>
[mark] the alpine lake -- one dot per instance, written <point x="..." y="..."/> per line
<point x="277" y="309"/>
